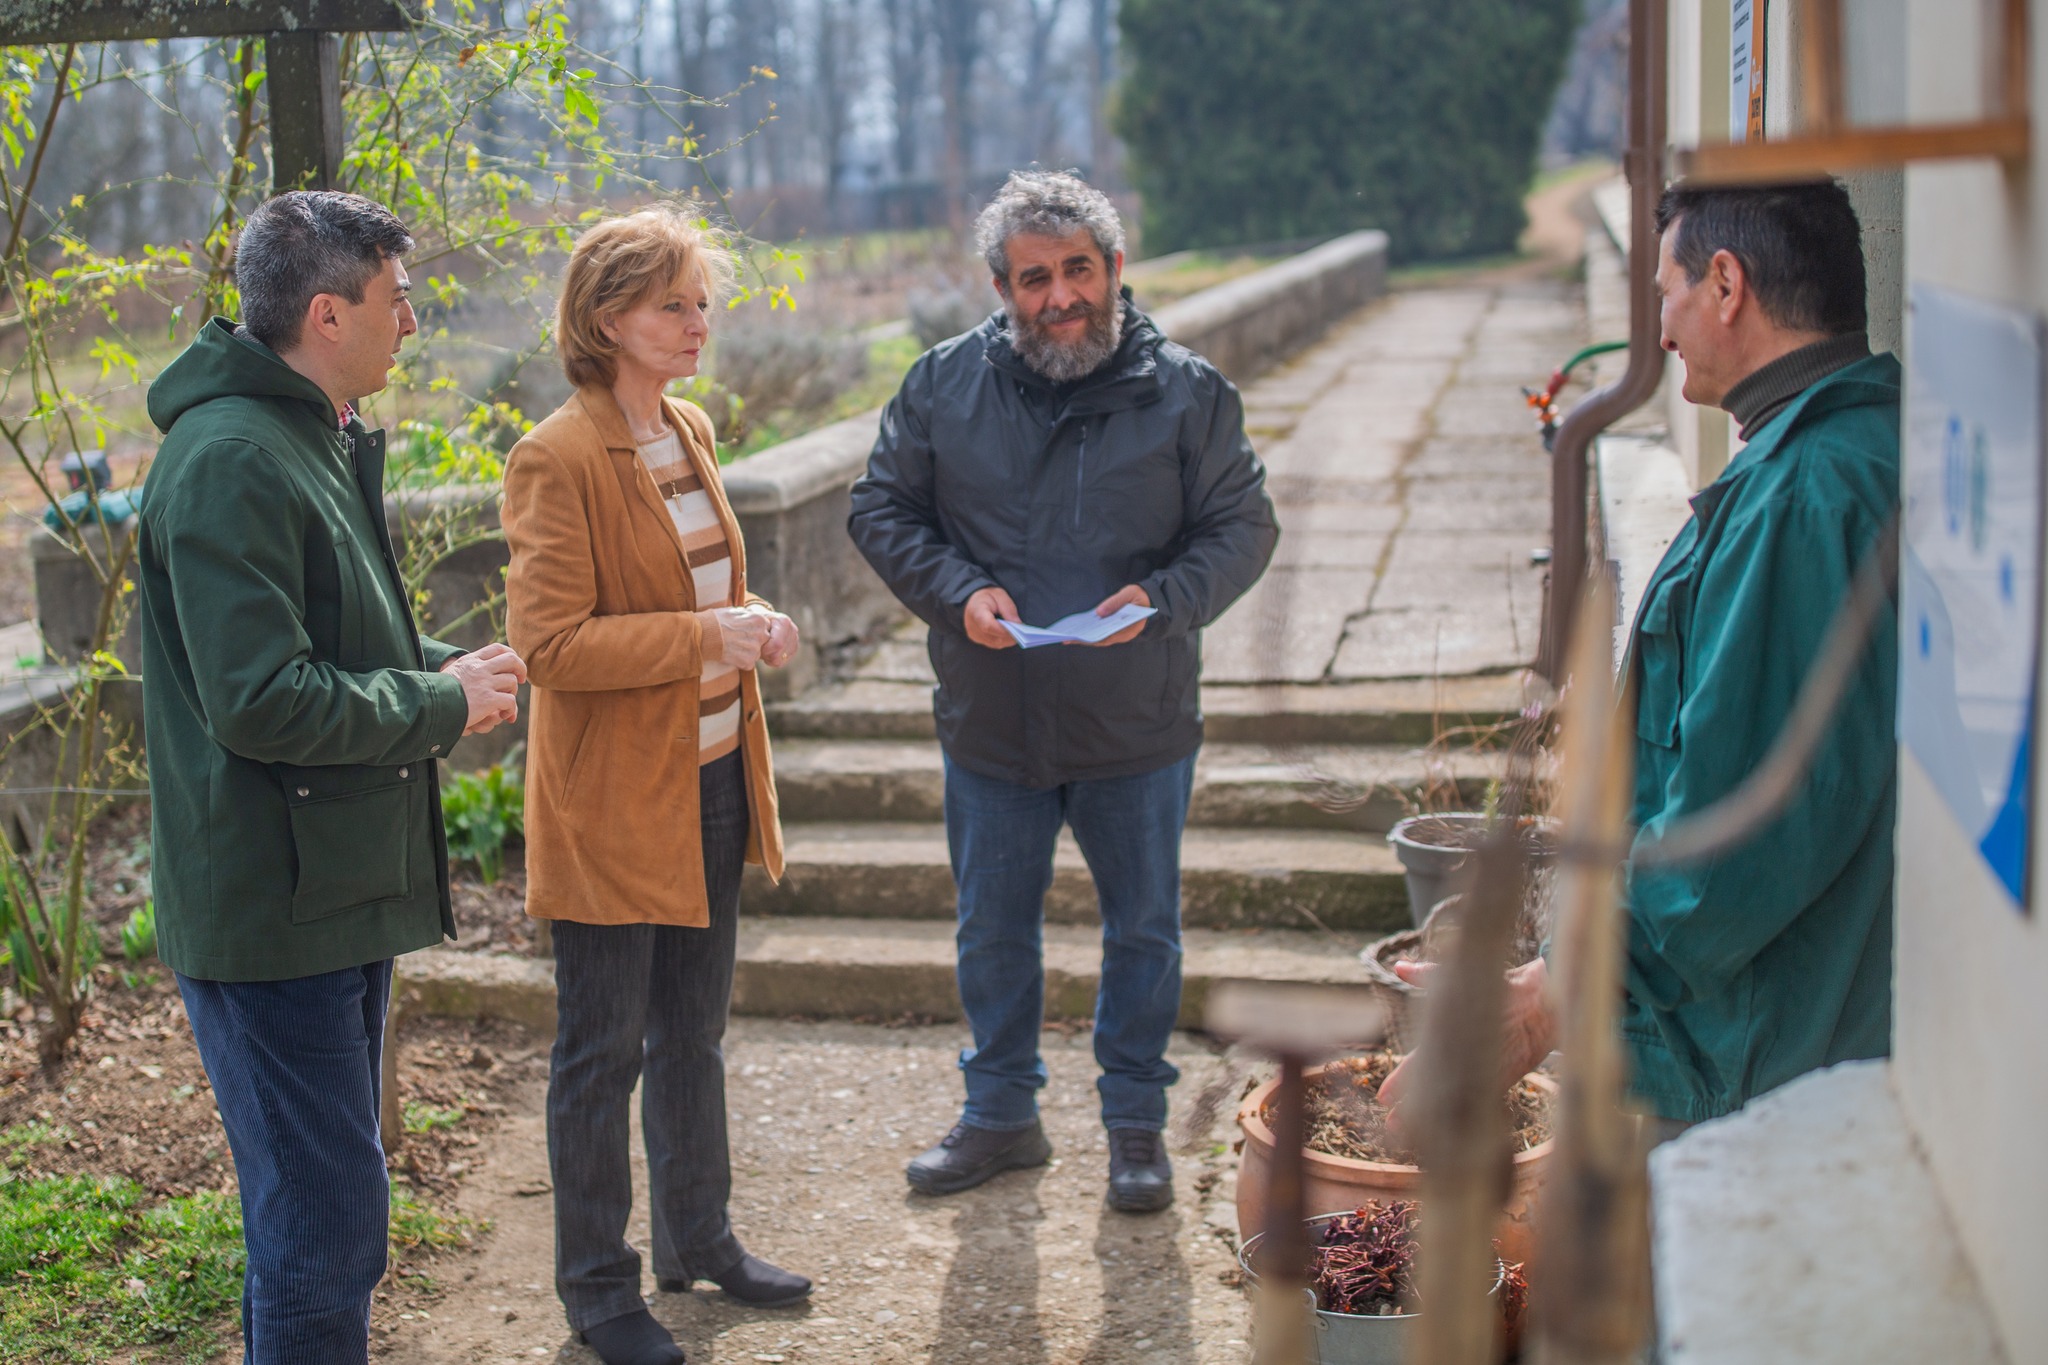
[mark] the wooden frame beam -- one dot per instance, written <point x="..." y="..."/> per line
<point x="24" y="22"/>
<point x="1830" y="143"/>
<point x="1804" y="158"/>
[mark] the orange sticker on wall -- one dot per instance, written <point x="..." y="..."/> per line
<point x="1746" y="70"/>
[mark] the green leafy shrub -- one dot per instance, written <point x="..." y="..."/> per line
<point x="482" y="811"/>
<point x="138" y="935"/>
<point x="1267" y="120"/>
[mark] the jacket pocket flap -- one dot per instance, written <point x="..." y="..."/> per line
<point x="303" y="786"/>
<point x="1659" y="685"/>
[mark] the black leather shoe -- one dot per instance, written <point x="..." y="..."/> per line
<point x="968" y="1155"/>
<point x="754" y="1283"/>
<point x="1140" y="1176"/>
<point x="635" y="1339"/>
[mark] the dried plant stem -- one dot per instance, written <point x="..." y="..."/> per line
<point x="1591" y="1295"/>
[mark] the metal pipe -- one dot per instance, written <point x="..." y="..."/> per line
<point x="1648" y="58"/>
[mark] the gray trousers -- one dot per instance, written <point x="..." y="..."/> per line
<point x="646" y="1003"/>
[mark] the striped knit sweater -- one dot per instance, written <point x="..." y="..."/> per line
<point x="710" y="560"/>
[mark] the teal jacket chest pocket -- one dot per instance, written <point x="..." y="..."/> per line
<point x="353" y="830"/>
<point x="1660" y="657"/>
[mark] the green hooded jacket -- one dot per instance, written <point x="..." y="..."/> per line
<point x="1774" y="958"/>
<point x="294" y="714"/>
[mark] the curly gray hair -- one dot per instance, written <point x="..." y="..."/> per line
<point x="1047" y="204"/>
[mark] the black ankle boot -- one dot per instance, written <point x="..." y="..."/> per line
<point x="968" y="1155"/>
<point x="635" y="1339"/>
<point x="754" y="1283"/>
<point x="1140" y="1176"/>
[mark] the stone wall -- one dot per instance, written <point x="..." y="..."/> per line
<point x="1248" y="324"/>
<point x="792" y="500"/>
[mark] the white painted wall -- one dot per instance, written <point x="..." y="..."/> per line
<point x="1698" y="111"/>
<point x="1971" y="1033"/>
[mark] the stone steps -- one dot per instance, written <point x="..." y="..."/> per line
<point x="1462" y="710"/>
<point x="882" y="969"/>
<point x="1362" y="788"/>
<point x="1230" y="879"/>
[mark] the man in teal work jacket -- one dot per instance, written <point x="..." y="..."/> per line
<point x="1773" y="958"/>
<point x="295" y="721"/>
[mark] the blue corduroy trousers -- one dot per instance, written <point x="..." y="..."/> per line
<point x="294" y="1069"/>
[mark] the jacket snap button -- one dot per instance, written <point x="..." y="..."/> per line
<point x="305" y="791"/>
<point x="405" y="772"/>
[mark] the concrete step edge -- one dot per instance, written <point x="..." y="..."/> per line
<point x="867" y="969"/>
<point x="1230" y="879"/>
<point x="1360" y="788"/>
<point x="1411" y="711"/>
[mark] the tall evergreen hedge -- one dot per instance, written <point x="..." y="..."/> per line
<point x="1264" y="120"/>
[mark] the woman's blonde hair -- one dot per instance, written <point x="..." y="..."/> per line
<point x="619" y="263"/>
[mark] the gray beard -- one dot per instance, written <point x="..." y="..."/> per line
<point x="1065" y="361"/>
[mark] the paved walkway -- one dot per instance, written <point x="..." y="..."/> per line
<point x="1411" y="488"/>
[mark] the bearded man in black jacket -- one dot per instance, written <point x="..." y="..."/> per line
<point x="1064" y="457"/>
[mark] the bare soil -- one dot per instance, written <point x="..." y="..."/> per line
<point x="1345" y="1117"/>
<point x="490" y="917"/>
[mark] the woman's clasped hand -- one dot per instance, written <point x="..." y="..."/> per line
<point x="745" y="636"/>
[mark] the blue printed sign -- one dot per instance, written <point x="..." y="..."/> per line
<point x="1970" y="579"/>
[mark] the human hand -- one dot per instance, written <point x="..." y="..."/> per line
<point x="782" y="641"/>
<point x="1528" y="1026"/>
<point x="984" y="610"/>
<point x="490" y="680"/>
<point x="741" y="632"/>
<point x="1123" y="598"/>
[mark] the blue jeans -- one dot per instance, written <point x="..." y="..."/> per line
<point x="1001" y="837"/>
<point x="294" y="1069"/>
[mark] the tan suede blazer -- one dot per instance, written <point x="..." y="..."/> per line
<point x="599" y="603"/>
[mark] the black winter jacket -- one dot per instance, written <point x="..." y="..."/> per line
<point x="987" y="474"/>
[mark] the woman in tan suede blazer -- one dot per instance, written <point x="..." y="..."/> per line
<point x="647" y="782"/>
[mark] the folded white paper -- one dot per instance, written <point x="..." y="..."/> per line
<point x="1082" y="628"/>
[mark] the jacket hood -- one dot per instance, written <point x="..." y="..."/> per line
<point x="1135" y="355"/>
<point x="223" y="362"/>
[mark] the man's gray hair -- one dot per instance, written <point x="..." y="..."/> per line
<point x="1046" y="204"/>
<point x="310" y="242"/>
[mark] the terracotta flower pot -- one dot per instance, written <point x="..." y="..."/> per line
<point x="1336" y="1184"/>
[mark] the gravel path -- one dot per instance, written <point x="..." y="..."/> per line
<point x="1031" y="1268"/>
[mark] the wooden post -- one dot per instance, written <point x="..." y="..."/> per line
<point x="1295" y="1023"/>
<point x="1283" y="1265"/>
<point x="1460" y="1123"/>
<point x="1590" y="1289"/>
<point x="303" y="81"/>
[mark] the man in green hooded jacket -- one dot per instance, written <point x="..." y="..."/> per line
<point x="1773" y="958"/>
<point x="295" y="720"/>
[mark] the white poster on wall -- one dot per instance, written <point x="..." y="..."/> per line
<point x="1970" y="577"/>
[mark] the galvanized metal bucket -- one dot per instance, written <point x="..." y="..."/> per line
<point x="1349" y="1338"/>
